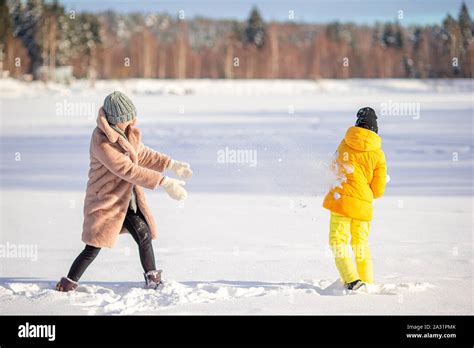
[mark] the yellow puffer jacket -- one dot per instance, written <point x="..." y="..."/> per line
<point x="362" y="168"/>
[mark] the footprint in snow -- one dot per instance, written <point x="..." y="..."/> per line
<point x="130" y="298"/>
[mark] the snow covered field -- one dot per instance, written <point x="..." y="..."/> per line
<point x="252" y="236"/>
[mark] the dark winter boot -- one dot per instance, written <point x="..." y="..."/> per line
<point x="66" y="284"/>
<point x="153" y="279"/>
<point x="356" y="284"/>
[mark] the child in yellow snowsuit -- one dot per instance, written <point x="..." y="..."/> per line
<point x="361" y="165"/>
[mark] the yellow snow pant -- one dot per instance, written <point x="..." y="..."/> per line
<point x="341" y="228"/>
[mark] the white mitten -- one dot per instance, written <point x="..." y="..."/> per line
<point x="181" y="169"/>
<point x="174" y="188"/>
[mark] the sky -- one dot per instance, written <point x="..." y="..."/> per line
<point x="311" y="11"/>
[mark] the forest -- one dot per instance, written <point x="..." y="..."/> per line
<point x="37" y="37"/>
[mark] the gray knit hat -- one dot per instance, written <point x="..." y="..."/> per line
<point x="118" y="108"/>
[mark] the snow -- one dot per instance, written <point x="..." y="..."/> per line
<point x="250" y="239"/>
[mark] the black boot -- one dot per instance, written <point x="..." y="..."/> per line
<point x="153" y="279"/>
<point x="356" y="284"/>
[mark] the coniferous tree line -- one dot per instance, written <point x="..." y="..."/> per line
<point x="43" y="35"/>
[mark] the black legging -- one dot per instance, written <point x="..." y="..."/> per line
<point x="138" y="228"/>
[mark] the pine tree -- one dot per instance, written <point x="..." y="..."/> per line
<point x="333" y="31"/>
<point x="398" y="36"/>
<point x="465" y="24"/>
<point x="26" y="23"/>
<point x="452" y="35"/>
<point x="388" y="38"/>
<point x="255" y="31"/>
<point x="5" y="30"/>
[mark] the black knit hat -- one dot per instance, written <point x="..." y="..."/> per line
<point x="366" y="118"/>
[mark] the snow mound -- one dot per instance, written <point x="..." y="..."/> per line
<point x="135" y="299"/>
<point x="132" y="298"/>
<point x="337" y="289"/>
